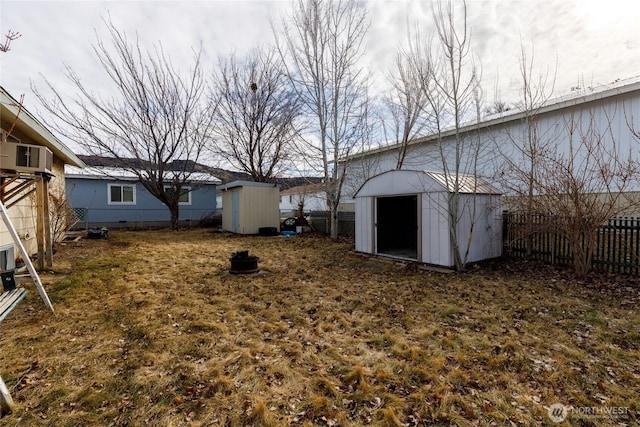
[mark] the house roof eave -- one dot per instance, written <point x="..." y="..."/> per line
<point x="31" y="126"/>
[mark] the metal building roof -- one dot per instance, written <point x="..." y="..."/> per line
<point x="405" y="181"/>
<point x="467" y="184"/>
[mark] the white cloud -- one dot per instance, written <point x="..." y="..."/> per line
<point x="597" y="39"/>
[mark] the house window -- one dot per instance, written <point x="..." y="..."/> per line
<point x="185" y="195"/>
<point x="122" y="194"/>
<point x="28" y="156"/>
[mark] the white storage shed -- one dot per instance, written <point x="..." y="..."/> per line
<point x="249" y="206"/>
<point x="404" y="214"/>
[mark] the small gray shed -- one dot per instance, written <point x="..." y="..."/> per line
<point x="249" y="206"/>
<point x="404" y="214"/>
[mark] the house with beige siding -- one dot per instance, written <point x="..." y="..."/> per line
<point x="32" y="181"/>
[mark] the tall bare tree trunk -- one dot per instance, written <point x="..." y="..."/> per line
<point x="452" y="92"/>
<point x="322" y="46"/>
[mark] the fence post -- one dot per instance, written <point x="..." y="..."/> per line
<point x="636" y="230"/>
<point x="625" y="268"/>
<point x="505" y="231"/>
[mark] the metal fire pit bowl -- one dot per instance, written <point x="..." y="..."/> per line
<point x="243" y="263"/>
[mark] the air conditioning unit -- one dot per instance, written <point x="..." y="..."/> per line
<point x="26" y="158"/>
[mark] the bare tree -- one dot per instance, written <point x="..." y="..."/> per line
<point x="255" y="120"/>
<point x="62" y="215"/>
<point x="497" y="106"/>
<point x="452" y="90"/>
<point x="156" y="124"/>
<point x="586" y="180"/>
<point x="568" y="176"/>
<point x="534" y="96"/>
<point x="521" y="160"/>
<point x="323" y="47"/>
<point x="9" y="36"/>
<point x="406" y="103"/>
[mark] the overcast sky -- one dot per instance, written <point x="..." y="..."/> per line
<point x="598" y="40"/>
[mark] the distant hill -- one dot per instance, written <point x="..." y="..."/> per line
<point x="223" y="174"/>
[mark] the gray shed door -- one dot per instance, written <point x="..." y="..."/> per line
<point x="235" y="211"/>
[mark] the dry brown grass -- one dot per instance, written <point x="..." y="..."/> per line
<point x="152" y="330"/>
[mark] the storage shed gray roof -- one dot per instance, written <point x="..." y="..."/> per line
<point x="409" y="181"/>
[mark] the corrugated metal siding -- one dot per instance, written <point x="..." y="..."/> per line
<point x="499" y="141"/>
<point x="487" y="227"/>
<point x="467" y="219"/>
<point x="494" y="227"/>
<point x="436" y="247"/>
<point x="625" y="92"/>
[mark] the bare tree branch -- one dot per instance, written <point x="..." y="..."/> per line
<point x="520" y="160"/>
<point x="586" y="182"/>
<point x="156" y="123"/>
<point x="257" y="110"/>
<point x="9" y="36"/>
<point x="566" y="176"/>
<point x="407" y="104"/>
<point x="452" y="91"/>
<point x="323" y="45"/>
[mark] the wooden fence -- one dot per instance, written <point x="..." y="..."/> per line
<point x="617" y="242"/>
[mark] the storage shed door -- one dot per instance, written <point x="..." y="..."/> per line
<point x="397" y="226"/>
<point x="235" y="211"/>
